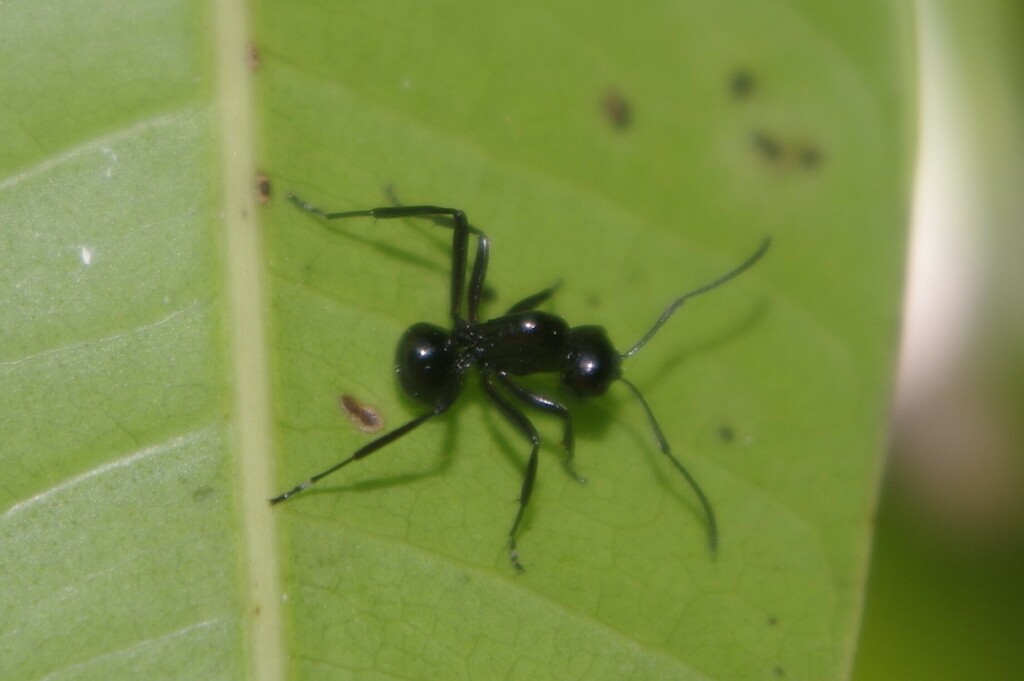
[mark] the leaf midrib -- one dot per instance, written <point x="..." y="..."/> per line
<point x="246" y="327"/>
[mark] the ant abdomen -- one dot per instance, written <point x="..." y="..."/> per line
<point x="521" y="343"/>
<point x="425" y="361"/>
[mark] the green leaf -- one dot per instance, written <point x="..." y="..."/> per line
<point x="164" y="372"/>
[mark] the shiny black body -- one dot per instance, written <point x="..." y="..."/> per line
<point x="432" y="363"/>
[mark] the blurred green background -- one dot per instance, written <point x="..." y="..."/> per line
<point x="946" y="590"/>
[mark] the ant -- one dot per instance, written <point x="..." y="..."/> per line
<point x="432" y="362"/>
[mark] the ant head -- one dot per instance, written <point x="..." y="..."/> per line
<point x="425" y="362"/>
<point x="591" y="363"/>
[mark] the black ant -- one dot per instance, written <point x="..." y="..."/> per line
<point x="432" y="362"/>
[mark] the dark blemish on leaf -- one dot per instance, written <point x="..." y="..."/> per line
<point x="810" y="157"/>
<point x="773" y="621"/>
<point x="365" y="417"/>
<point x="726" y="434"/>
<point x="617" y="109"/>
<point x="768" y="145"/>
<point x="263" y="189"/>
<point x="252" y="57"/>
<point x="202" y="493"/>
<point x="779" y="672"/>
<point x="787" y="154"/>
<point x="741" y="84"/>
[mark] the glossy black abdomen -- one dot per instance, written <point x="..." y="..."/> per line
<point x="522" y="343"/>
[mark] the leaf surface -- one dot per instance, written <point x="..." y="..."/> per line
<point x="137" y="311"/>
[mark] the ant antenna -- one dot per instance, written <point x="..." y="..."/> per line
<point x="696" y="292"/>
<point x="663" y="445"/>
<point x="658" y="434"/>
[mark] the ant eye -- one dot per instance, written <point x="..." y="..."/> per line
<point x="424" y="360"/>
<point x="591" y="363"/>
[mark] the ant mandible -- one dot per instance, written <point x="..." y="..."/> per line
<point x="432" y="362"/>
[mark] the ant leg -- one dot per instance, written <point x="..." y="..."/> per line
<point x="460" y="238"/>
<point x="362" y="452"/>
<point x="536" y="299"/>
<point x="523" y="425"/>
<point x="477" y="276"/>
<point x="547" y="404"/>
<point x="479" y="273"/>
